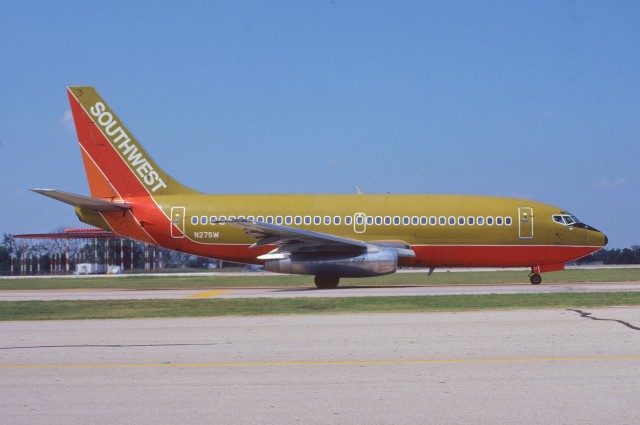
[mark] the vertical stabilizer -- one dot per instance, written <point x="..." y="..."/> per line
<point x="116" y="164"/>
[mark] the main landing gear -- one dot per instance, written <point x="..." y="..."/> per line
<point x="326" y="282"/>
<point x="535" y="278"/>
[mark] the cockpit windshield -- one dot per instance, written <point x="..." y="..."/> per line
<point x="566" y="219"/>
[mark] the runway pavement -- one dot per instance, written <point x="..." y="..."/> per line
<point x="500" y="367"/>
<point x="288" y="292"/>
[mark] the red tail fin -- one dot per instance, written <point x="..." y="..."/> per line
<point x="116" y="164"/>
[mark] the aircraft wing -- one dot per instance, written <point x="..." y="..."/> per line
<point x="291" y="239"/>
<point x="80" y="201"/>
<point x="274" y="234"/>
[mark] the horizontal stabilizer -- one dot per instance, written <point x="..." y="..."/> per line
<point x="84" y="202"/>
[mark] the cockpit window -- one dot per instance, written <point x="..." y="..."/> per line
<point x="566" y="219"/>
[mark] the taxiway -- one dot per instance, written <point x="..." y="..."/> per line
<point x="552" y="366"/>
<point x="296" y="292"/>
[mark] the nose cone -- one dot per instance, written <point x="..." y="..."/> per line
<point x="594" y="237"/>
<point x="599" y="238"/>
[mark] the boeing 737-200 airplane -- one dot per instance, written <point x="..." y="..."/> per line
<point x="328" y="236"/>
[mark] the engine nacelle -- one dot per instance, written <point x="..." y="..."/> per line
<point x="368" y="264"/>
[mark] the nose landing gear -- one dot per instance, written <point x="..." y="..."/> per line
<point x="534" y="276"/>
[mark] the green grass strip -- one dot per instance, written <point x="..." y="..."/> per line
<point x="118" y="309"/>
<point x="399" y="279"/>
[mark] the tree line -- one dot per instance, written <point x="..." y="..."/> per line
<point x="614" y="256"/>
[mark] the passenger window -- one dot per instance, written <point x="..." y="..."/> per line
<point x="307" y="220"/>
<point x="480" y="221"/>
<point x="499" y="221"/>
<point x="222" y="219"/>
<point x="279" y="219"/>
<point x="423" y="220"/>
<point x="489" y="221"/>
<point x="471" y="220"/>
<point x="298" y="220"/>
<point x="442" y="220"/>
<point x="260" y="219"/>
<point x="461" y="221"/>
<point x="269" y="219"/>
<point x="317" y="220"/>
<point x="348" y="220"/>
<point x="406" y="220"/>
<point x="194" y="220"/>
<point x="396" y="220"/>
<point x="232" y="217"/>
<point x="336" y="220"/>
<point x="213" y="219"/>
<point x="241" y="218"/>
<point x="327" y="220"/>
<point x="203" y="219"/>
<point x="432" y="221"/>
<point x="359" y="220"/>
<point x="507" y="221"/>
<point x="288" y="220"/>
<point x="415" y="220"/>
<point x="251" y="218"/>
<point x="378" y="220"/>
<point x="387" y="220"/>
<point x="452" y="220"/>
<point x="369" y="219"/>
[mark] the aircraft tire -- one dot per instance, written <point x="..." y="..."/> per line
<point x="535" y="279"/>
<point x="326" y="282"/>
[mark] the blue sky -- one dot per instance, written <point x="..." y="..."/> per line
<point x="534" y="99"/>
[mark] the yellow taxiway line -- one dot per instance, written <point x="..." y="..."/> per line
<point x="208" y="294"/>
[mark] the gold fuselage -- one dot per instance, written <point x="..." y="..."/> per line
<point x="442" y="229"/>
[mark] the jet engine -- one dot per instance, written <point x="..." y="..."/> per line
<point x="362" y="264"/>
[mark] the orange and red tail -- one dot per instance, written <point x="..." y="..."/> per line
<point x="116" y="164"/>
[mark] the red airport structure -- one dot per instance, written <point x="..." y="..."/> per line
<point x="80" y="245"/>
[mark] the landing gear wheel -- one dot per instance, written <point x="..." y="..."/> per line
<point x="326" y="282"/>
<point x="535" y="279"/>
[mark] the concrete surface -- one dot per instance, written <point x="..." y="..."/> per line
<point x="506" y="367"/>
<point x="289" y="292"/>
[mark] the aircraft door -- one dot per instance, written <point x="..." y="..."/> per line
<point x="359" y="222"/>
<point x="525" y="222"/>
<point x="178" y="220"/>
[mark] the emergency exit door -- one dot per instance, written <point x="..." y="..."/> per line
<point x="525" y="222"/>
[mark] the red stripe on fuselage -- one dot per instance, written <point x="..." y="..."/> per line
<point x="495" y="255"/>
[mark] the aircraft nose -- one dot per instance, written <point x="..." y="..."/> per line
<point x="601" y="238"/>
<point x="604" y="240"/>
